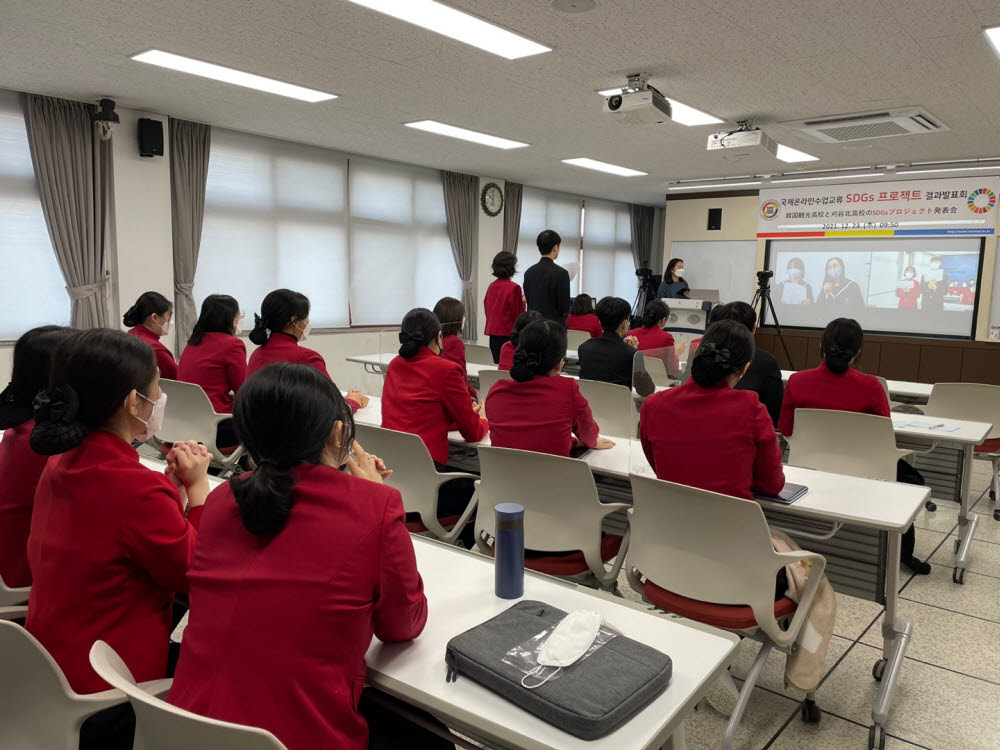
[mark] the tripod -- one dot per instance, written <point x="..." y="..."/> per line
<point x="763" y="295"/>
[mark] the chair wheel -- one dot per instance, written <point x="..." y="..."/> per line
<point x="931" y="506"/>
<point x="958" y="576"/>
<point x="876" y="733"/>
<point x="878" y="669"/>
<point x="811" y="713"/>
<point x="996" y="514"/>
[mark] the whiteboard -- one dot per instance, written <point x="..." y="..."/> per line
<point x="730" y="267"/>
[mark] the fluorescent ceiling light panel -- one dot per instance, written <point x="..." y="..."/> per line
<point x="441" y="19"/>
<point x="603" y="166"/>
<point x="679" y="112"/>
<point x="712" y="187"/>
<point x="439" y="128"/>
<point x="994" y="168"/>
<point x="831" y="177"/>
<point x="792" y="155"/>
<point x="993" y="37"/>
<point x="229" y="75"/>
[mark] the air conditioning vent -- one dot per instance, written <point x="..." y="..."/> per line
<point x="865" y="126"/>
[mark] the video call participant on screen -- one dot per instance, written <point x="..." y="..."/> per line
<point x="908" y="289"/>
<point x="933" y="286"/>
<point x="794" y="290"/>
<point x="838" y="291"/>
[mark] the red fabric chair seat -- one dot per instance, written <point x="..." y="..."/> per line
<point x="728" y="616"/>
<point x="417" y="527"/>
<point x="992" y="445"/>
<point x="569" y="563"/>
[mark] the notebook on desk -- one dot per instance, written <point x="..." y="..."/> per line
<point x="787" y="496"/>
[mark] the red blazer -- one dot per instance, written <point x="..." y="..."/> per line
<point x="504" y="301"/>
<point x="589" y="322"/>
<point x="454" y="350"/>
<point x="109" y="546"/>
<point x="294" y="614"/>
<point x="283" y="347"/>
<point x="219" y="365"/>
<point x="507" y="356"/>
<point x="164" y="359"/>
<point x="821" y="388"/>
<point x="908" y="297"/>
<point x="540" y="415"/>
<point x="657" y="338"/>
<point x="424" y="396"/>
<point x="20" y="469"/>
<point x="717" y="439"/>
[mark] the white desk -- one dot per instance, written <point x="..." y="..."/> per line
<point x="897" y="388"/>
<point x="377" y="363"/>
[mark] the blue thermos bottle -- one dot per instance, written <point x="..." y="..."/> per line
<point x="508" y="570"/>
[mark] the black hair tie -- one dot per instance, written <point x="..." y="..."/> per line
<point x="405" y="337"/>
<point x="719" y="355"/>
<point x="533" y="360"/>
<point x="837" y="351"/>
<point x="58" y="406"/>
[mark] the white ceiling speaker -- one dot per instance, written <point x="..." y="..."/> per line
<point x="573" y="6"/>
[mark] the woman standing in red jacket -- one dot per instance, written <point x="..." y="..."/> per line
<point x="278" y="332"/>
<point x="503" y="302"/>
<point x="908" y="290"/>
<point x="109" y="541"/>
<point x="450" y="312"/>
<point x="150" y="319"/>
<point x="316" y="558"/>
<point x="21" y="467"/>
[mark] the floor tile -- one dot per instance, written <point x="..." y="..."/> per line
<point x="764" y="716"/>
<point x="854" y="615"/>
<point x="948" y="639"/>
<point x="943" y="519"/>
<point x="987" y="530"/>
<point x="978" y="597"/>
<point x="832" y="733"/>
<point x="927" y="541"/>
<point x="932" y="706"/>
<point x="773" y="676"/>
<point x="983" y="557"/>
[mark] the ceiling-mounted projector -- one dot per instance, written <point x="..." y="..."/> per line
<point x="638" y="103"/>
<point x="746" y="142"/>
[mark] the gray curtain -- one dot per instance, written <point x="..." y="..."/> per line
<point x="512" y="192"/>
<point x="73" y="169"/>
<point x="642" y="234"/>
<point x="461" y="205"/>
<point x="190" y="143"/>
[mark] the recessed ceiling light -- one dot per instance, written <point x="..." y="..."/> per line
<point x="679" y="112"/>
<point x="831" y="177"/>
<point x="994" y="168"/>
<point x="440" y="128"/>
<point x="229" y="75"/>
<point x="993" y="37"/>
<point x="792" y="155"/>
<point x="454" y="24"/>
<point x="603" y="166"/>
<point x="712" y="187"/>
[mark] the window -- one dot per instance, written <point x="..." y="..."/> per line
<point x="32" y="288"/>
<point x="607" y="251"/>
<point x="365" y="240"/>
<point x="541" y="210"/>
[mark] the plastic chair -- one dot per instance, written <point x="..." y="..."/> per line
<point x="190" y="416"/>
<point x="38" y="708"/>
<point x="160" y="726"/>
<point x="613" y="407"/>
<point x="562" y="513"/>
<point x="479" y="355"/>
<point x="487" y="379"/>
<point x="975" y="402"/>
<point x="417" y="479"/>
<point x="709" y="557"/>
<point x="10" y="597"/>
<point x="575" y="338"/>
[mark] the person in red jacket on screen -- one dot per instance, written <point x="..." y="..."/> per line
<point x="150" y="319"/>
<point x="582" y="318"/>
<point x="908" y="289"/>
<point x="507" y="350"/>
<point x="503" y="302"/>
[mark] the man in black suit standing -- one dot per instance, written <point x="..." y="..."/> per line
<point x="546" y="284"/>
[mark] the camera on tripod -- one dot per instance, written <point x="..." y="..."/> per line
<point x="763" y="276"/>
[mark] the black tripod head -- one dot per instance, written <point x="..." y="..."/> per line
<point x="764" y="280"/>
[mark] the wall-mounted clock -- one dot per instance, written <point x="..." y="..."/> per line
<point x="492" y="199"/>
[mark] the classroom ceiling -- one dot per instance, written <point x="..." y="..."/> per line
<point x="765" y="60"/>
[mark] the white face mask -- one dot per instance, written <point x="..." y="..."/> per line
<point x="909" y="274"/>
<point x="794" y="273"/>
<point x="155" y="422"/>
<point x="679" y="273"/>
<point x="305" y="331"/>
<point x="570" y="640"/>
<point x="166" y="328"/>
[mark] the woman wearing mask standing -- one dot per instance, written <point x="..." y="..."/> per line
<point x="674" y="286"/>
<point x="150" y="319"/>
<point x="908" y="289"/>
<point x="840" y="292"/>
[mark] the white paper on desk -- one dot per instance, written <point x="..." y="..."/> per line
<point x="793" y="294"/>
<point x="898" y="424"/>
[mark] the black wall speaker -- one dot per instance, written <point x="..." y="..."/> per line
<point x="150" y="137"/>
<point x="715" y="218"/>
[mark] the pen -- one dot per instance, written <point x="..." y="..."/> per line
<point x="935" y="426"/>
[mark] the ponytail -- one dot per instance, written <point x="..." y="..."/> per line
<point x="726" y="348"/>
<point x="149" y="303"/>
<point x="842" y="340"/>
<point x="30" y="374"/>
<point x="542" y="346"/>
<point x="258" y="335"/>
<point x="277" y="311"/>
<point x="264" y="498"/>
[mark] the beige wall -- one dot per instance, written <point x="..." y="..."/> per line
<point x="687" y="220"/>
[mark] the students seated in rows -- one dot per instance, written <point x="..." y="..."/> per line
<point x="611" y="358"/>
<point x="837" y="385"/>
<point x="524" y="320"/>
<point x="279" y="330"/>
<point x="150" y="319"/>
<point x="450" y="312"/>
<point x="109" y="543"/>
<point x="503" y="302"/>
<point x="651" y="335"/>
<point x="764" y="375"/>
<point x="427" y="395"/>
<point x="538" y="409"/>
<point x="20" y="466"/>
<point x="298" y="565"/>
<point x="581" y="316"/>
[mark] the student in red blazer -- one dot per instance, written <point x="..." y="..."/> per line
<point x="109" y="541"/>
<point x="214" y="357"/>
<point x="20" y="466"/>
<point x="837" y="385"/>
<point x="909" y="292"/>
<point x="150" y="319"/>
<point x="507" y="350"/>
<point x="538" y="409"/>
<point x="650" y="335"/>
<point x="503" y="302"/>
<point x="317" y="559"/>
<point x="450" y="312"/>
<point x="705" y="433"/>
<point x="278" y="331"/>
<point x="582" y="318"/>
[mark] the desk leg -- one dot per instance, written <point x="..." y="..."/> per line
<point x="967" y="520"/>
<point x="676" y="741"/>
<point x="896" y="634"/>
